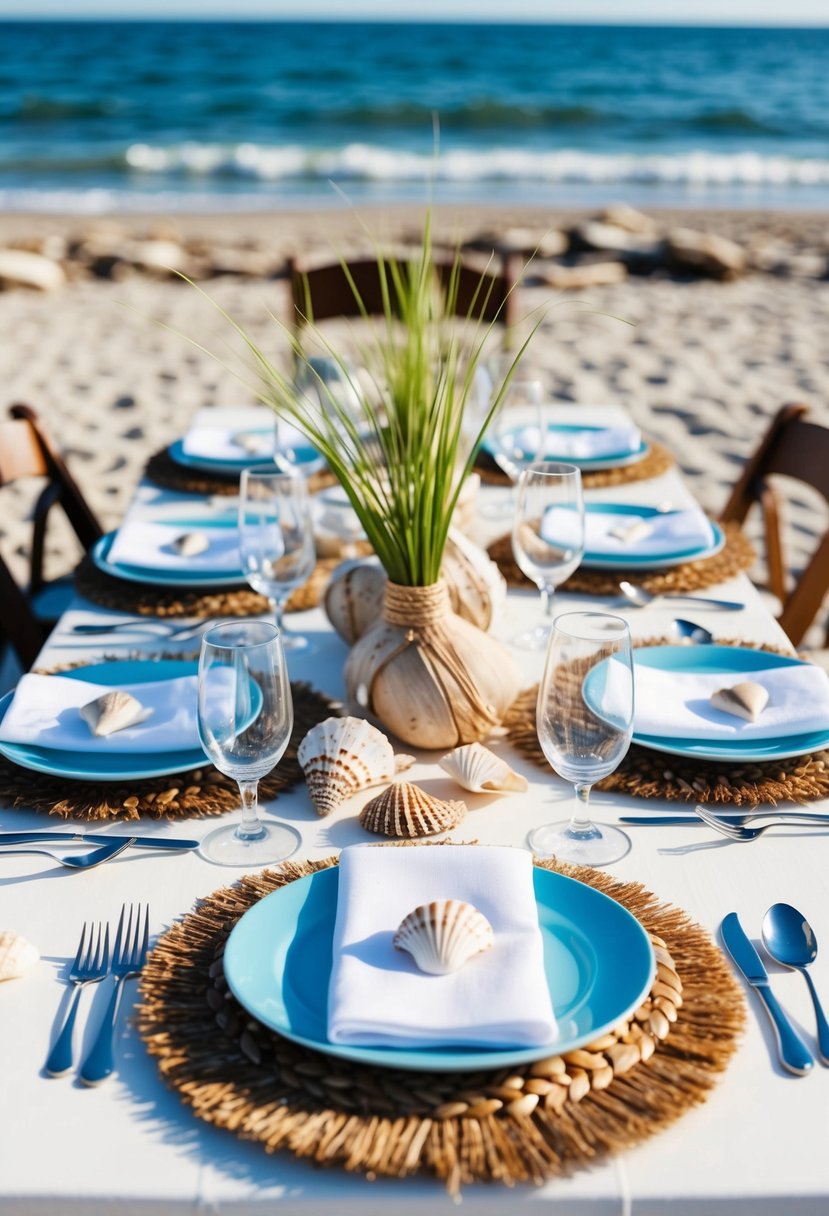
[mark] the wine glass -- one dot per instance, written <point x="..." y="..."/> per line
<point x="547" y="536"/>
<point x="517" y="431"/>
<point x="276" y="539"/>
<point x="584" y="719"/>
<point x="246" y="716"/>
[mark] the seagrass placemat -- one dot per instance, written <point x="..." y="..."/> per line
<point x="647" y="774"/>
<point x="736" y="556"/>
<point x="524" y="1124"/>
<point x="146" y="600"/>
<point x="197" y="794"/>
<point x="163" y="471"/>
<point x="654" y="463"/>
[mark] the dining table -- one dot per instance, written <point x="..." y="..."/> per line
<point x="756" y="1147"/>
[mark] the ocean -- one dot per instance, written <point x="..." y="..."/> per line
<point x="108" y="116"/>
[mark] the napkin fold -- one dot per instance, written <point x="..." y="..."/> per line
<point x="378" y="997"/>
<point x="591" y="443"/>
<point x="667" y="534"/>
<point x="44" y="712"/>
<point x="676" y="704"/>
<point x="139" y="542"/>
<point x="212" y="434"/>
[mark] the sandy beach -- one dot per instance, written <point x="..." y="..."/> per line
<point x="702" y="365"/>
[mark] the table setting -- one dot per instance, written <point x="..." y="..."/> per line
<point x="402" y="958"/>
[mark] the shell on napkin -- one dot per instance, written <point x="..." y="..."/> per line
<point x="343" y="755"/>
<point x="252" y="442"/>
<point x="190" y="544"/>
<point x="408" y="811"/>
<point x="17" y="955"/>
<point x="746" y="700"/>
<point x="479" y="770"/>
<point x="444" y="935"/>
<point x="112" y="712"/>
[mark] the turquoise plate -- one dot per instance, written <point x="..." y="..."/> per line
<point x="726" y="661"/>
<point x="113" y="766"/>
<point x="596" y="561"/>
<point x="305" y="458"/>
<point x="158" y="578"/>
<point x="598" y="958"/>
<point x="613" y="460"/>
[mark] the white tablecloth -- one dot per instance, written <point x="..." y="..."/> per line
<point x="757" y="1147"/>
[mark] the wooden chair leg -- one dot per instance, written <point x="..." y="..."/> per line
<point x="774" y="551"/>
<point x="806" y="598"/>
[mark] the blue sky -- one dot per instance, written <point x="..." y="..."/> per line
<point x="738" y="12"/>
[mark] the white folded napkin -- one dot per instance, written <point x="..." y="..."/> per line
<point x="211" y="434"/>
<point x="658" y="535"/>
<point x="591" y="443"/>
<point x="677" y="704"/>
<point x="378" y="997"/>
<point x="139" y="542"/>
<point x="44" y="712"/>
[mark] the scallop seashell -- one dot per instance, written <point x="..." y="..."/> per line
<point x="17" y="955"/>
<point x="354" y="597"/>
<point x="343" y="755"/>
<point x="478" y="769"/>
<point x="190" y="544"/>
<point x="406" y="810"/>
<point x="746" y="700"/>
<point x="113" y="711"/>
<point x="443" y="935"/>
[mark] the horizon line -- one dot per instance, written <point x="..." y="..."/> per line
<point x="409" y="19"/>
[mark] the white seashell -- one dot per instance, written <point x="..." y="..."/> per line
<point x="629" y="534"/>
<point x="406" y="810"/>
<point x="746" y="700"/>
<point x="113" y="711"/>
<point x="443" y="935"/>
<point x="254" y="443"/>
<point x="17" y="955"/>
<point x="478" y="769"/>
<point x="354" y="597"/>
<point x="343" y="755"/>
<point x="190" y="544"/>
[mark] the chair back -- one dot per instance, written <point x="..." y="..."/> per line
<point x="18" y="625"/>
<point x="792" y="447"/>
<point x="26" y="450"/>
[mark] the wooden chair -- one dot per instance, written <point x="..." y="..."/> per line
<point x="792" y="447"/>
<point x="26" y="450"/>
<point x="322" y="290"/>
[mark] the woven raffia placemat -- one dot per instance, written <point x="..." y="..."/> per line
<point x="163" y="471"/>
<point x="647" y="774"/>
<point x="525" y="1124"/>
<point x="145" y="600"/>
<point x="736" y="556"/>
<point x="192" y="795"/>
<point x="656" y="461"/>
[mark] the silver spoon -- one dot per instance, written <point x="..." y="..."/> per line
<point x="790" y="940"/>
<point x="688" y="632"/>
<point x="640" y="598"/>
<point x="79" y="861"/>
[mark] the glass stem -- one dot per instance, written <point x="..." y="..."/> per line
<point x="278" y="608"/>
<point x="548" y="595"/>
<point x="250" y="825"/>
<point x="580" y="821"/>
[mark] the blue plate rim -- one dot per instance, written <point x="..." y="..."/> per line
<point x="156" y="578"/>
<point x="199" y="759"/>
<point x="614" y="461"/>
<point x="450" y="1060"/>
<point x="233" y="468"/>
<point x="632" y="562"/>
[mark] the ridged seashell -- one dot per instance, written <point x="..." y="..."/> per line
<point x="113" y="711"/>
<point x="746" y="700"/>
<point x="407" y="810"/>
<point x="343" y="755"/>
<point x="17" y="955"/>
<point x="354" y="597"/>
<point x="477" y="589"/>
<point x="478" y="769"/>
<point x="443" y="935"/>
<point x="190" y="544"/>
<point x="253" y="442"/>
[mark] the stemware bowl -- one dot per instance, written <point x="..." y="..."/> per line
<point x="245" y="722"/>
<point x="276" y="539"/>
<point x="547" y="536"/>
<point x="584" y="722"/>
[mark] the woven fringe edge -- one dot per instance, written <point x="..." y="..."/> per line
<point x="230" y="1091"/>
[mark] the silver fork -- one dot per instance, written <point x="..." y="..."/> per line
<point x="743" y="833"/>
<point x="78" y="861"/>
<point x="90" y="966"/>
<point x="128" y="957"/>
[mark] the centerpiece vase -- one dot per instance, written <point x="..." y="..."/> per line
<point x="429" y="676"/>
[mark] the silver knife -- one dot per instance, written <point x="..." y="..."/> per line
<point x="666" y="821"/>
<point x="794" y="1054"/>
<point x="140" y="842"/>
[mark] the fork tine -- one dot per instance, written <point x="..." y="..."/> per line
<point x="146" y="938"/>
<point x="135" y="954"/>
<point x="105" y="959"/>
<point x="80" y="951"/>
<point x="116" y="949"/>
